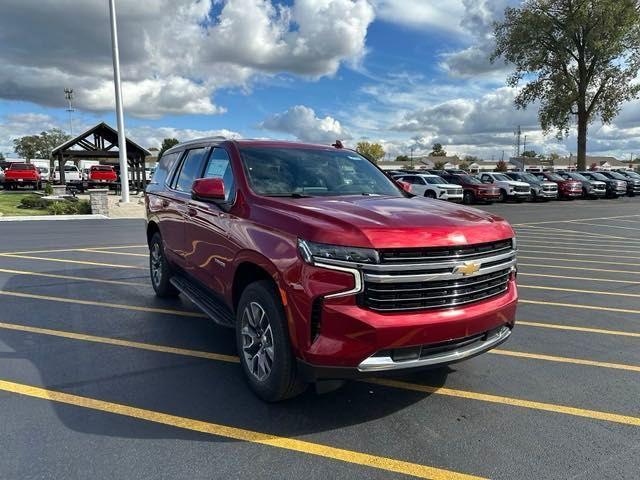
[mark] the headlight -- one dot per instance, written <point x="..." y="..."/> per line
<point x="311" y="252"/>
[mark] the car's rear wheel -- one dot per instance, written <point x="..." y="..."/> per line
<point x="159" y="269"/>
<point x="468" y="197"/>
<point x="264" y="348"/>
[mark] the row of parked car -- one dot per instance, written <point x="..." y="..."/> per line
<point x="487" y="187"/>
<point x="19" y="175"/>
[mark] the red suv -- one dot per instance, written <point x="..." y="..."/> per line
<point x="102" y="174"/>
<point x="567" y="187"/>
<point x="474" y="190"/>
<point x="325" y="267"/>
<point x="22" y="174"/>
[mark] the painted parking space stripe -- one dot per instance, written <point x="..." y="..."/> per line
<point x="525" y="245"/>
<point x="569" y="239"/>
<point x="73" y="277"/>
<point x="74" y="249"/>
<point x="514" y="402"/>
<point x="579" y="261"/>
<point x="589" y="279"/>
<point x="607" y="226"/>
<point x="79" y="262"/>
<point x="562" y="267"/>
<point x="76" y="301"/>
<point x="574" y="328"/>
<point x="593" y="414"/>
<point x="109" y="252"/>
<point x="578" y="290"/>
<point x="578" y="232"/>
<point x="574" y="220"/>
<point x="576" y="254"/>
<point x="225" y="431"/>
<point x="583" y="307"/>
<point x="572" y="361"/>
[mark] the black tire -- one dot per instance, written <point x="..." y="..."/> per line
<point x="429" y="194"/>
<point x="282" y="381"/>
<point x="160" y="270"/>
<point x="468" y="197"/>
<point x="503" y="196"/>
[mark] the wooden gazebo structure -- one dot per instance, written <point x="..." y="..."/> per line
<point x="101" y="143"/>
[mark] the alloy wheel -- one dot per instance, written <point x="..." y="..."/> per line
<point x="257" y="341"/>
<point x="156" y="264"/>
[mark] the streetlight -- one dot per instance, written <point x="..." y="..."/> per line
<point x="68" y="94"/>
<point x="122" y="140"/>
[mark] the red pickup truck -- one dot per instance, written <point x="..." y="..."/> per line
<point x="324" y="266"/>
<point x="22" y="174"/>
<point x="99" y="174"/>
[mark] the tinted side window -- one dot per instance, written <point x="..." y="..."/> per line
<point x="219" y="166"/>
<point x="190" y="170"/>
<point x="164" y="168"/>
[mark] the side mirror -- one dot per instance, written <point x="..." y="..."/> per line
<point x="208" y="189"/>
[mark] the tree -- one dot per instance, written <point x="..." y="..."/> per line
<point x="167" y="143"/>
<point x="439" y="165"/>
<point x="464" y="165"/>
<point x="403" y="158"/>
<point x="438" y="151"/>
<point x="553" y="158"/>
<point x="501" y="166"/>
<point x="39" y="146"/>
<point x="372" y="151"/>
<point x="529" y="153"/>
<point x="471" y="159"/>
<point x="580" y="59"/>
<point x="1" y="157"/>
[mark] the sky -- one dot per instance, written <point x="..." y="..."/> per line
<point x="403" y="73"/>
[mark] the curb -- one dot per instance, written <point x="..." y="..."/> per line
<point x="53" y="217"/>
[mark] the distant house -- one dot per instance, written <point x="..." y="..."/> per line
<point x="566" y="163"/>
<point x="487" y="166"/>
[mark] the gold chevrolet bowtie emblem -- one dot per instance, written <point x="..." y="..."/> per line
<point x="468" y="268"/>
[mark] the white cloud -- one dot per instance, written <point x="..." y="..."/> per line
<point x="422" y="13"/>
<point x="302" y="123"/>
<point x="175" y="54"/>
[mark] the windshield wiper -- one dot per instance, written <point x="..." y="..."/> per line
<point x="288" y="195"/>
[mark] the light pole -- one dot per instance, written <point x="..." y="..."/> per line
<point x="68" y="94"/>
<point x="122" y="140"/>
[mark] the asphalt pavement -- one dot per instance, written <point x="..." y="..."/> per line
<point x="100" y="379"/>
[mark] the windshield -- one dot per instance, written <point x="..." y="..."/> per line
<point x="617" y="176"/>
<point x="313" y="172"/>
<point x="21" y="166"/>
<point x="577" y="176"/>
<point x="468" y="179"/>
<point x="527" y="177"/>
<point x="555" y="177"/>
<point x="101" y="168"/>
<point x="598" y="176"/>
<point x="502" y="178"/>
<point x="434" y="180"/>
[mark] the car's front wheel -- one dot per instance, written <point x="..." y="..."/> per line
<point x="503" y="196"/>
<point x="468" y="197"/>
<point x="160" y="269"/>
<point x="264" y="348"/>
<point x="430" y="194"/>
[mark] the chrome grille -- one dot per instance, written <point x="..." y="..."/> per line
<point x="427" y="278"/>
<point x="522" y="189"/>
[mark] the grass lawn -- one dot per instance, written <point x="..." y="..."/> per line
<point x="9" y="202"/>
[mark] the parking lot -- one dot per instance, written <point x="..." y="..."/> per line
<point x="101" y="379"/>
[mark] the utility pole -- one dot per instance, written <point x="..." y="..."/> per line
<point x="525" y="144"/>
<point x="68" y="94"/>
<point x="122" y="140"/>
<point x="518" y="134"/>
<point x="412" y="157"/>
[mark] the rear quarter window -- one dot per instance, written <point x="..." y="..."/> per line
<point x="165" y="167"/>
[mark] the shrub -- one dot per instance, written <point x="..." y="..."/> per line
<point x="57" y="208"/>
<point x="33" y="202"/>
<point x="48" y="189"/>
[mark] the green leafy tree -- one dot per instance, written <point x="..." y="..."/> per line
<point x="438" y="151"/>
<point x="529" y="153"/>
<point x="372" y="151"/>
<point x="553" y="158"/>
<point x="501" y="166"/>
<point x="439" y="165"/>
<point x="167" y="143"/>
<point x="39" y="146"/>
<point x="471" y="159"/>
<point x="579" y="60"/>
<point x="403" y="158"/>
<point x="464" y="165"/>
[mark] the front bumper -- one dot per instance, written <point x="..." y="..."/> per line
<point x="548" y="194"/>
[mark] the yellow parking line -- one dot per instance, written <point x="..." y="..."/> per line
<point x="514" y="402"/>
<point x="573" y="328"/>
<point x="64" y="260"/>
<point x="573" y="361"/>
<point x="538" y="265"/>
<point x="584" y="307"/>
<point x="129" y="254"/>
<point x="579" y="232"/>
<point x="183" y="313"/>
<point x="524" y="246"/>
<point x="111" y="247"/>
<point x="578" y="261"/>
<point x="574" y="220"/>
<point x="597" y="415"/>
<point x="566" y="277"/>
<point x="576" y="254"/>
<point x="72" y="277"/>
<point x="578" y="290"/>
<point x="606" y="226"/>
<point x="292" y="444"/>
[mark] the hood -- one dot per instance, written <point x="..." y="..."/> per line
<point x="383" y="222"/>
<point x="515" y="183"/>
<point x="449" y="186"/>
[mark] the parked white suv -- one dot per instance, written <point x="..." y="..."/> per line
<point x="432" y="186"/>
<point x="509" y="189"/>
<point x="71" y="173"/>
